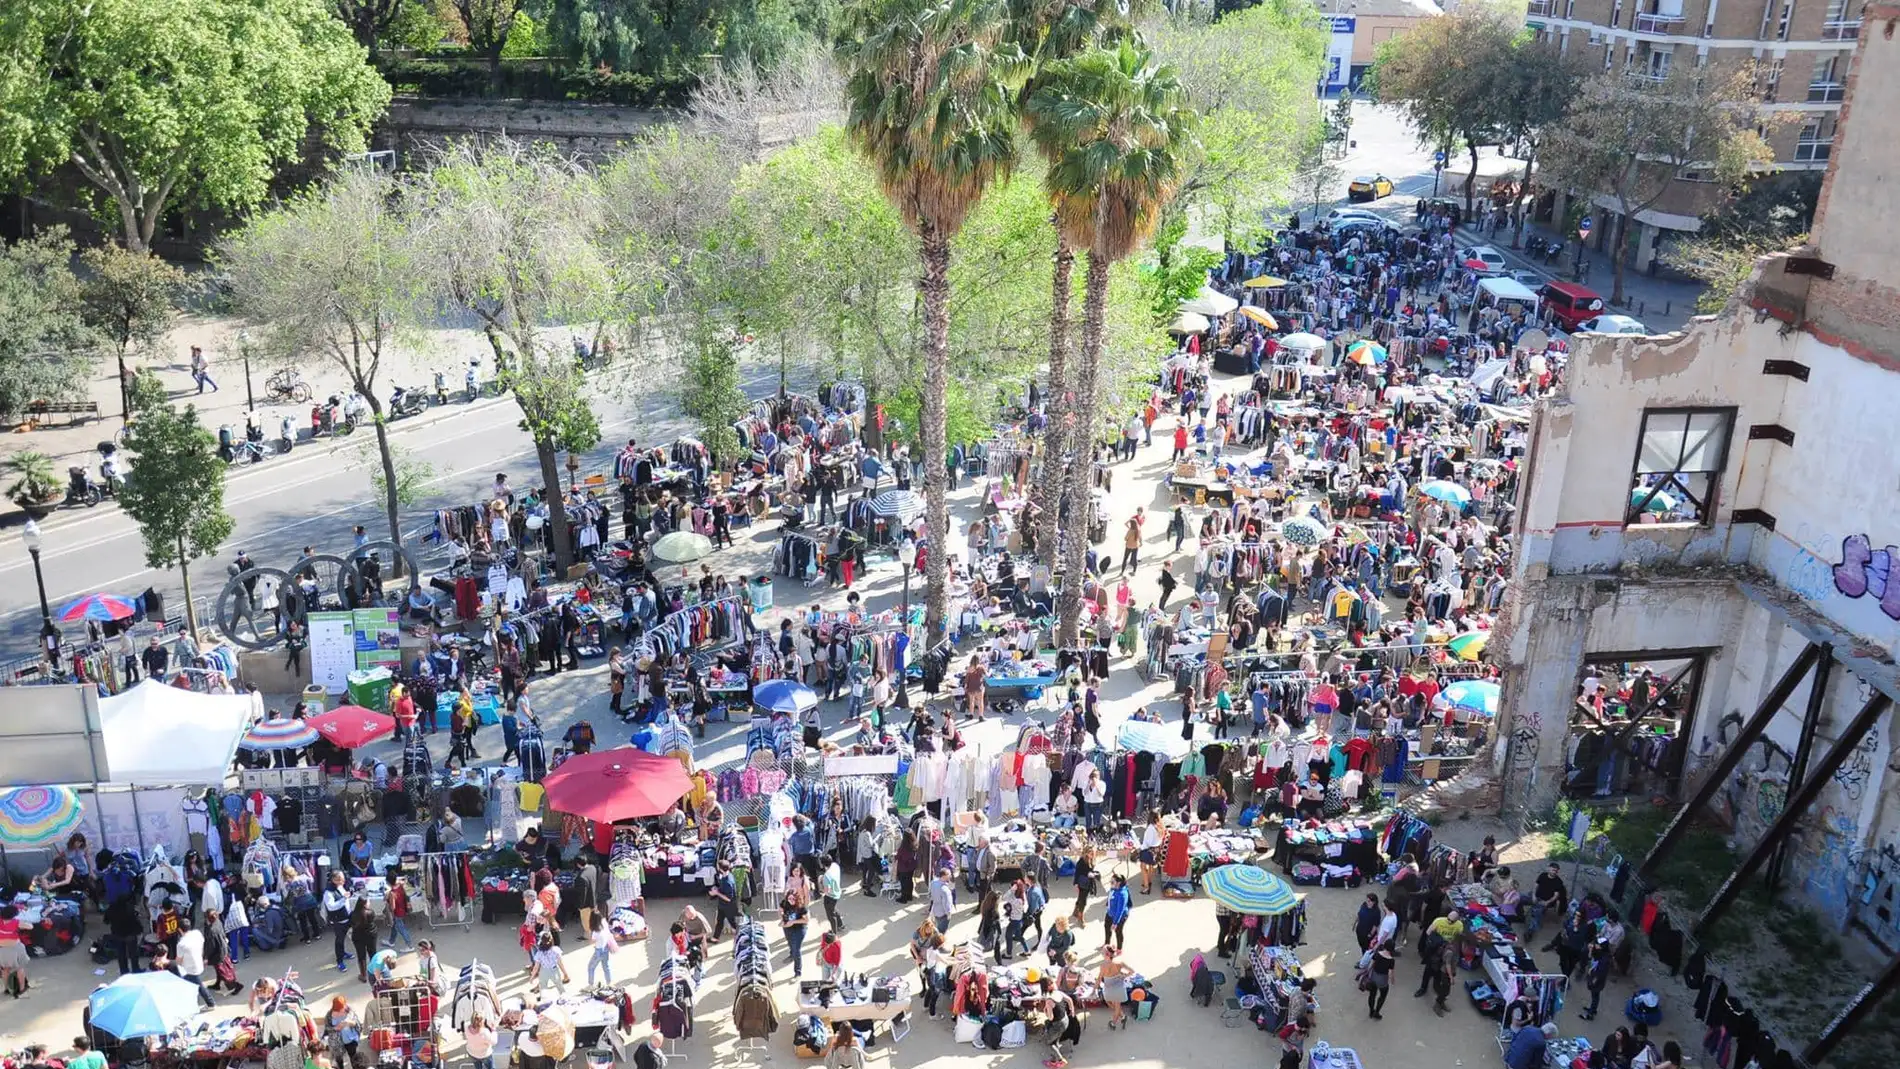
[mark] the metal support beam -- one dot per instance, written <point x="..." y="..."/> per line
<point x="1799" y="801"/>
<point x="1854" y="1013"/>
<point x="1804" y="748"/>
<point x="1731" y="757"/>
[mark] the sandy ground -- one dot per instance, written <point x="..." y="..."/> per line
<point x="1162" y="935"/>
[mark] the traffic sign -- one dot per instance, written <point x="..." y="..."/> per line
<point x="1439" y="157"/>
<point x="1584" y="226"/>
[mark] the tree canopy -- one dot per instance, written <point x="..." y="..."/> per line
<point x="158" y="103"/>
<point x="1452" y="78"/>
<point x="1628" y="138"/>
<point x="175" y="491"/>
<point x="46" y="348"/>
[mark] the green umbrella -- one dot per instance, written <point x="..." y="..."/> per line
<point x="1658" y="501"/>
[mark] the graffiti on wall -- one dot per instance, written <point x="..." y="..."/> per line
<point x="1809" y="577"/>
<point x="1864" y="571"/>
<point x="1837" y="856"/>
<point x="1878" y="909"/>
<point x="1854" y="775"/>
<point x="1758" y="791"/>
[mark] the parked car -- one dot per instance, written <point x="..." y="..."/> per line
<point x="1570" y="303"/>
<point x="1492" y="259"/>
<point x="1369" y="187"/>
<point x="1612" y="324"/>
<point x="1339" y="216"/>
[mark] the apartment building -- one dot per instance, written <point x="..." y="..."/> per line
<point x="1804" y="48"/>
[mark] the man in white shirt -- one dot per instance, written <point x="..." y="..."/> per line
<point x="191" y="959"/>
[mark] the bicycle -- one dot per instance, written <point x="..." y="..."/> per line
<point x="284" y="385"/>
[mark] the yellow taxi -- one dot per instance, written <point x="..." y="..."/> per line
<point x="1369" y="187"/>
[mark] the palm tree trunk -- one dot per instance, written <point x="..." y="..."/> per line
<point x="1087" y="423"/>
<point x="935" y="287"/>
<point x="1053" y="486"/>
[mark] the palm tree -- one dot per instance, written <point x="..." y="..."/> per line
<point x="1048" y="31"/>
<point x="36" y="483"/>
<point x="1119" y="135"/>
<point x="930" y="97"/>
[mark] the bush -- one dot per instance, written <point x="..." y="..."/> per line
<point x="533" y="80"/>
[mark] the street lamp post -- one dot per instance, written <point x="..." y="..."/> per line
<point x="49" y="631"/>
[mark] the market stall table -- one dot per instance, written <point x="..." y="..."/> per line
<point x="859" y="1011"/>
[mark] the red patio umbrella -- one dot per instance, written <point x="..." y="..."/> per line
<point x="617" y="784"/>
<point x="351" y="726"/>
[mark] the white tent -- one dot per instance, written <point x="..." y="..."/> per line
<point x="158" y="736"/>
<point x="1189" y="323"/>
<point x="1303" y="342"/>
<point x="1209" y="302"/>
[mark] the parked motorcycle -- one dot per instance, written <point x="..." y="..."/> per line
<point x="406" y="402"/>
<point x="80" y="489"/>
<point x="338" y="415"/>
<point x="286" y="436"/>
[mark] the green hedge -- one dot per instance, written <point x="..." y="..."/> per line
<point x="532" y="81"/>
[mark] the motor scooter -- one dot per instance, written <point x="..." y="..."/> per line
<point x="441" y="388"/>
<point x="406" y="402"/>
<point x="286" y="437"/>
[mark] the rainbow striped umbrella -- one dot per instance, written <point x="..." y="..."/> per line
<point x="35" y="816"/>
<point x="1249" y="889"/>
<point x="279" y="735"/>
<point x="1468" y="646"/>
<point x="98" y="607"/>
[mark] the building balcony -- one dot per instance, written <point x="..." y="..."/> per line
<point x="1658" y="23"/>
<point x="1826" y="92"/>
<point x="1644" y="79"/>
<point x="1840" y="30"/>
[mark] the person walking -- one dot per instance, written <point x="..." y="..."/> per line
<point x="1366" y="925"/>
<point x="1115" y="913"/>
<point x="1596" y="976"/>
<point x="363" y="936"/>
<point x="725" y="895"/>
<point x="191" y="959"/>
<point x="1131" y="542"/>
<point x="604" y="943"/>
<point x="943" y="898"/>
<point x="795" y="917"/>
<point x="830" y="888"/>
<point x="1378" y="981"/>
<point x="217" y="949"/>
<point x="398" y="903"/>
<point x="1084" y="881"/>
<point x="546" y="969"/>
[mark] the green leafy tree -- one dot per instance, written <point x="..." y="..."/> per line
<point x="1628" y="138"/>
<point x="930" y="97"/>
<point x="1769" y="214"/>
<point x="1537" y="83"/>
<point x="157" y="103"/>
<point x="1445" y="74"/>
<point x="372" y="21"/>
<point x="175" y="491"/>
<point x="333" y="276"/>
<point x="668" y="38"/>
<point x="45" y="350"/>
<point x="485" y="25"/>
<point x="709" y="390"/>
<point x="510" y="240"/>
<point x="130" y="301"/>
<point x="1250" y="74"/>
<point x="1120" y="135"/>
<point x="411" y="475"/>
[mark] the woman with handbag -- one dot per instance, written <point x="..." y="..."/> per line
<point x="363" y="936"/>
<point x="218" y="956"/>
<point x="300" y="897"/>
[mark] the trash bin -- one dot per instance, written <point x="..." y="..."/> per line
<point x="759" y="592"/>
<point x="315" y="698"/>
<point x="369" y="688"/>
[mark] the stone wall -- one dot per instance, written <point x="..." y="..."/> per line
<point x="588" y="131"/>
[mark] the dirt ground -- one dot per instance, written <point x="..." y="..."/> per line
<point x="1162" y="935"/>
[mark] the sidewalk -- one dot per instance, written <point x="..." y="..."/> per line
<point x="77" y="443"/>
<point x="1663" y="304"/>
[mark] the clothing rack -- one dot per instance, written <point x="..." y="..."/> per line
<point x="461" y="900"/>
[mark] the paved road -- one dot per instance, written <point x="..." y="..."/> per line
<point x="312" y="497"/>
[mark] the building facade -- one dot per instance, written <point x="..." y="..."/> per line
<point x="1804" y="50"/>
<point x="1713" y="505"/>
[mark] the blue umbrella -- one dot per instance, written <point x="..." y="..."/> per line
<point x="784" y="696"/>
<point x="1473" y="695"/>
<point x="143" y="1004"/>
<point x="1150" y="737"/>
<point x="1447" y="491"/>
<point x="1249" y="889"/>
